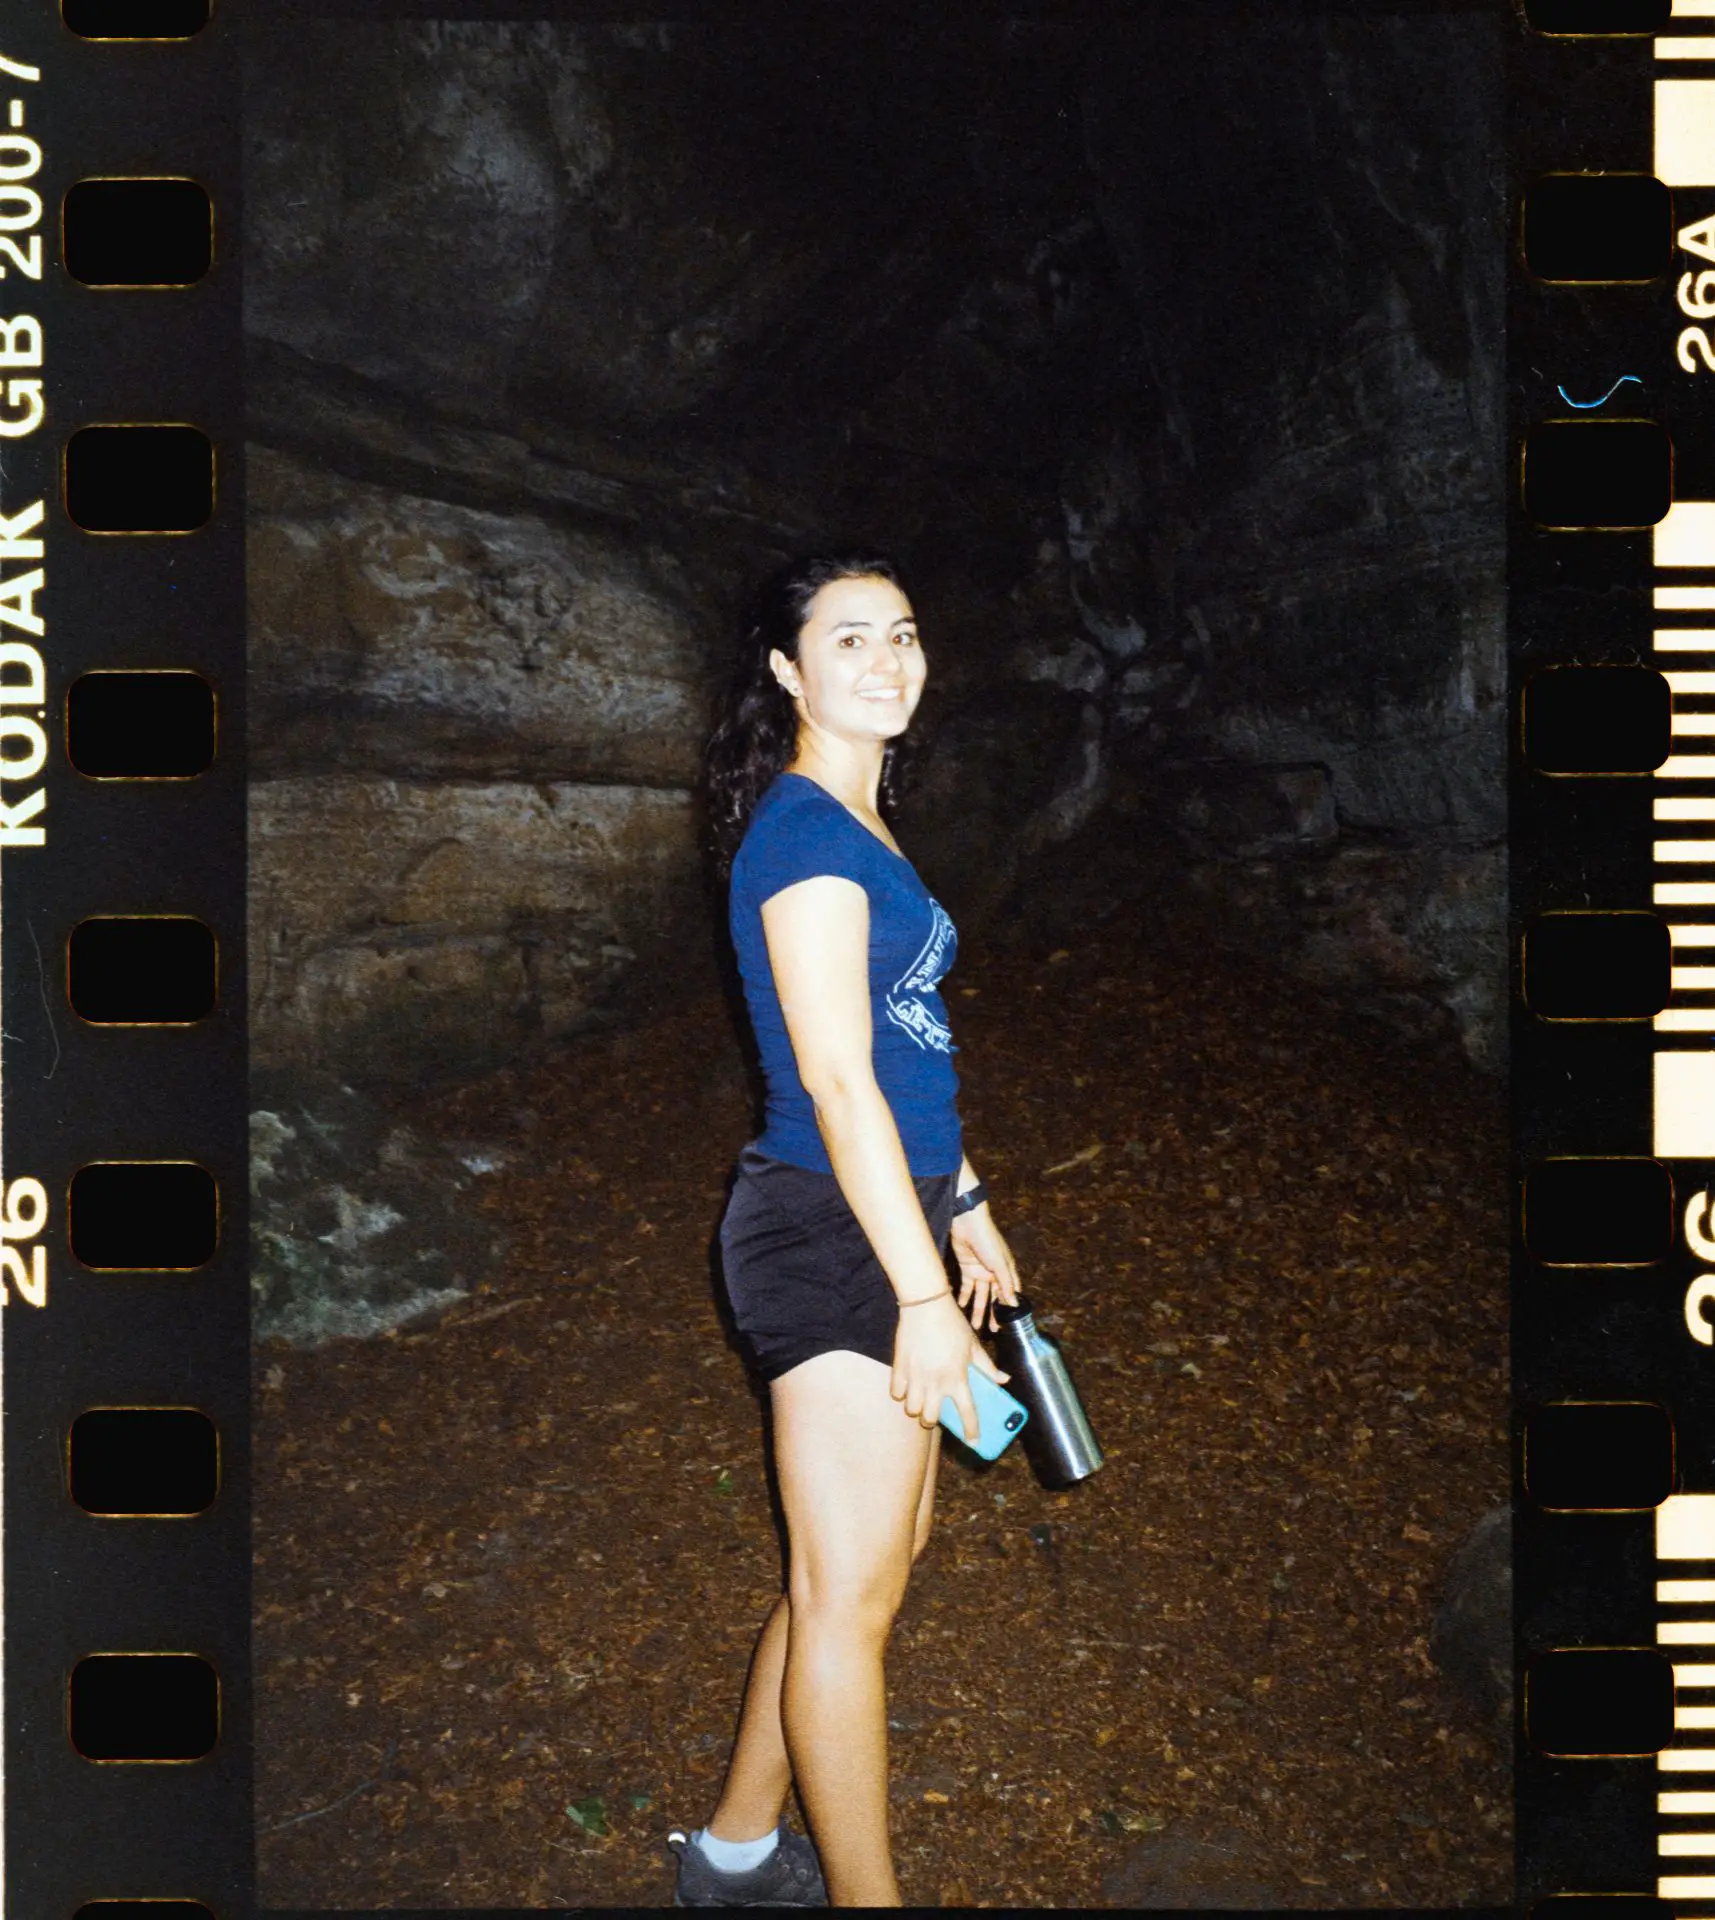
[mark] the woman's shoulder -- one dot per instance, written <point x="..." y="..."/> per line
<point x="795" y="820"/>
<point x="790" y="805"/>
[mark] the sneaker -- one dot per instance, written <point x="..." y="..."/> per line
<point x="791" y="1876"/>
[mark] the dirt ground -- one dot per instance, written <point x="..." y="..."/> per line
<point x="509" y="1567"/>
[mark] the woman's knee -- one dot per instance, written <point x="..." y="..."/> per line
<point x="864" y="1597"/>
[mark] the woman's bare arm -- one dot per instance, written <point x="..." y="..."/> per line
<point x="818" y="946"/>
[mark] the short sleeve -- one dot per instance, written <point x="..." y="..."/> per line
<point x="800" y="843"/>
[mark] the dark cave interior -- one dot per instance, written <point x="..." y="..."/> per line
<point x="1163" y="351"/>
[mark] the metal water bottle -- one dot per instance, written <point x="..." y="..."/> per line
<point x="1057" y="1436"/>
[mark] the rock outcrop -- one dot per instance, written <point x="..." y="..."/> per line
<point x="358" y="1223"/>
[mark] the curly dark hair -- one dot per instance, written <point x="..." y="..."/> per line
<point x="757" y="732"/>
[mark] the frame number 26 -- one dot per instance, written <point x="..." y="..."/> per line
<point x="23" y="1214"/>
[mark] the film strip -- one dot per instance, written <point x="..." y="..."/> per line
<point x="1613" y="586"/>
<point x="124" y="1606"/>
<point x="122" y="1224"/>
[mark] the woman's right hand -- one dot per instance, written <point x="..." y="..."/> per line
<point x="933" y="1352"/>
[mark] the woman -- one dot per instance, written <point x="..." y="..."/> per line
<point x="835" y="1238"/>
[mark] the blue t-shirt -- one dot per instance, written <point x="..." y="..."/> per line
<point x="800" y="830"/>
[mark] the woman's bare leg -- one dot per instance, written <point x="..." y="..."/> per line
<point x="854" y="1469"/>
<point x="759" y="1773"/>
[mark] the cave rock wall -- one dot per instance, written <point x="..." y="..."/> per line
<point x="1168" y="364"/>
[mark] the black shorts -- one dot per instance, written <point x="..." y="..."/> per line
<point x="800" y="1272"/>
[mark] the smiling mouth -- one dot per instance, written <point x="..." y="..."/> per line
<point x="883" y="693"/>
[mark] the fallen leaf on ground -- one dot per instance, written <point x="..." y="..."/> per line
<point x="1079" y="1159"/>
<point x="591" y="1815"/>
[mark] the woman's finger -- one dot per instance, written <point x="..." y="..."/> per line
<point x="964" y="1400"/>
<point x="980" y="1357"/>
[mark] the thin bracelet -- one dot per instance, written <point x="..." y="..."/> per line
<point x="946" y="1293"/>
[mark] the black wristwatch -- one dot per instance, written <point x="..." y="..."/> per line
<point x="970" y="1199"/>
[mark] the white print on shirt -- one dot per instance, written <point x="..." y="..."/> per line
<point x="920" y="977"/>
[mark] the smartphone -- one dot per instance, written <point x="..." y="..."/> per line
<point x="1000" y="1417"/>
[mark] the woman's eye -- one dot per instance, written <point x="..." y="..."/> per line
<point x="906" y="639"/>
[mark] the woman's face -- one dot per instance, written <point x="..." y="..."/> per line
<point x="859" y="672"/>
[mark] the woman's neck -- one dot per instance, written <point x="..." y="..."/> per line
<point x="852" y="774"/>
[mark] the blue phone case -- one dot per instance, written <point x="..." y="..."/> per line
<point x="1000" y="1418"/>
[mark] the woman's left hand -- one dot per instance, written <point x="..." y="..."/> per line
<point x="986" y="1269"/>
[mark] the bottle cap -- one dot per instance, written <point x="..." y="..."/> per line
<point x="1006" y="1315"/>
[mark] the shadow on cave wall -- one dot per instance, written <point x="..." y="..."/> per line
<point x="1163" y="351"/>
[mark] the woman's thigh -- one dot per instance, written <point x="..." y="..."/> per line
<point x="855" y="1472"/>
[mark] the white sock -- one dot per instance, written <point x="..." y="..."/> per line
<point x="735" y="1856"/>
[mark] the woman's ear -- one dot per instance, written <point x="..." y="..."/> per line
<point x="784" y="671"/>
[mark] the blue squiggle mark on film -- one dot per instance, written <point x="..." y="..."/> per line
<point x="1586" y="404"/>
